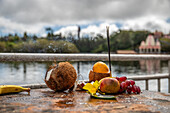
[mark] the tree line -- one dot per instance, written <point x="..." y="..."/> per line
<point x="120" y="40"/>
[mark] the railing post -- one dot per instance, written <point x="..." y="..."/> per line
<point x="147" y="86"/>
<point x="78" y="68"/>
<point x="159" y="85"/>
<point x="25" y="70"/>
<point x="169" y="76"/>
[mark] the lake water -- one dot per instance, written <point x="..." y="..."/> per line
<point x="19" y="73"/>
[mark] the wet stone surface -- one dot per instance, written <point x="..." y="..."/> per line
<point x="45" y="100"/>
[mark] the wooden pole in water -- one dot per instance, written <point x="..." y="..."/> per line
<point x="108" y="43"/>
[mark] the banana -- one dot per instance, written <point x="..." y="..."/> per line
<point x="4" y="89"/>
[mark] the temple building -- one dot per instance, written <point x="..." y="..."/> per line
<point x="150" y="46"/>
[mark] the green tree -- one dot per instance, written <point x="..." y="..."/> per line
<point x="49" y="33"/>
<point x="88" y="45"/>
<point x="25" y="38"/>
<point x="127" y="40"/>
<point x="165" y="44"/>
<point x="35" y="37"/>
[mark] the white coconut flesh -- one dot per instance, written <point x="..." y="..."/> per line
<point x="48" y="74"/>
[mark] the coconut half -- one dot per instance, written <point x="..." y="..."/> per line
<point x="61" y="77"/>
<point x="93" y="76"/>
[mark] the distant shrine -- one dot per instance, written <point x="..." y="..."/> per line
<point x="150" y="46"/>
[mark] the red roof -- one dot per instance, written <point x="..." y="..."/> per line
<point x="125" y="52"/>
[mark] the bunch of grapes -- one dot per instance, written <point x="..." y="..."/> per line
<point x="128" y="86"/>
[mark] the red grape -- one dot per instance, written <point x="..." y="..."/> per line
<point x="121" y="90"/>
<point x="81" y="85"/>
<point x="129" y="89"/>
<point x="134" y="89"/>
<point x="117" y="78"/>
<point x="128" y="86"/>
<point x="138" y="89"/>
<point x="122" y="78"/>
<point x="132" y="82"/>
<point x="127" y="83"/>
<point x="123" y="85"/>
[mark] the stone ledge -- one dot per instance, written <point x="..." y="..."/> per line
<point x="45" y="100"/>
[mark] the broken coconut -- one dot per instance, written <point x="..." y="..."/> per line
<point x="93" y="76"/>
<point x="61" y="77"/>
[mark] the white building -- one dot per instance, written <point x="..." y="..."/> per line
<point x="150" y="46"/>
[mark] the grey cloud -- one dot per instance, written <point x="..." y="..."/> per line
<point x="152" y="25"/>
<point x="72" y="11"/>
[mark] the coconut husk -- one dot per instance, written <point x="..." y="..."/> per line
<point x="61" y="77"/>
<point x="93" y="76"/>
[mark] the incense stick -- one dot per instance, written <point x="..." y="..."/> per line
<point x="107" y="28"/>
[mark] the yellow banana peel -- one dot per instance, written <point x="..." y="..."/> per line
<point x="4" y="89"/>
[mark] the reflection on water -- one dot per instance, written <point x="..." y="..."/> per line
<point x="33" y="72"/>
<point x="150" y="66"/>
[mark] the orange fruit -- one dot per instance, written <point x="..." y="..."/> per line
<point x="100" y="67"/>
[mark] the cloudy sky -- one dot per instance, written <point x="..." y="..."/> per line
<point x="33" y="16"/>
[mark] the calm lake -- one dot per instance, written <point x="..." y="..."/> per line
<point x="19" y="73"/>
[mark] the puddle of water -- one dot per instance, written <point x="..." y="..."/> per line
<point x="63" y="103"/>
